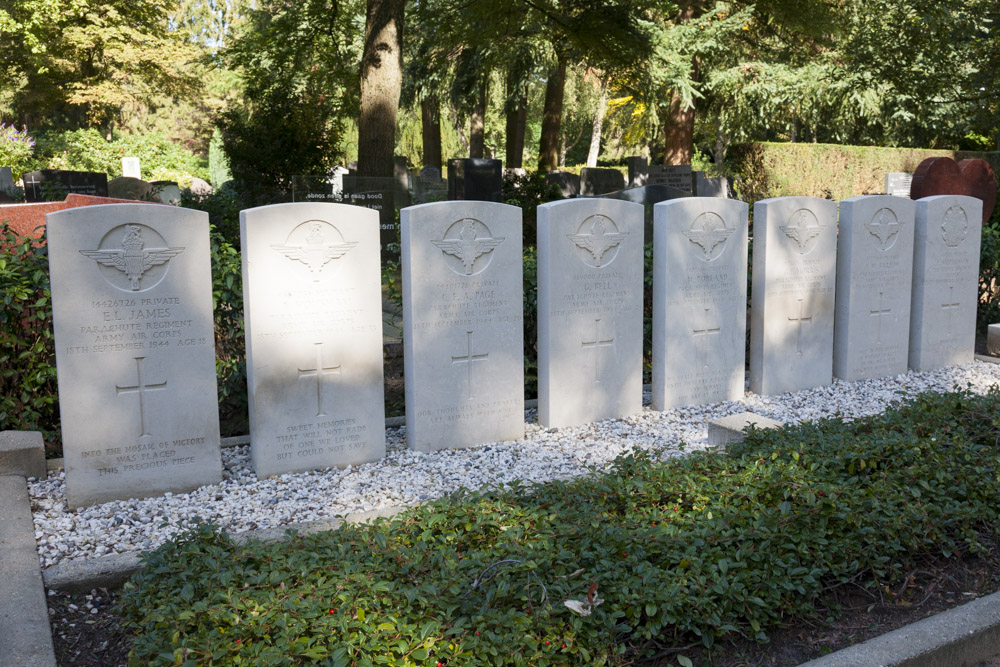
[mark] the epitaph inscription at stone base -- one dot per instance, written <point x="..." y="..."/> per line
<point x="463" y="347"/>
<point x="699" y="301"/>
<point x="589" y="311"/>
<point x="794" y="290"/>
<point x="874" y="268"/>
<point x="945" y="281"/>
<point x="135" y="350"/>
<point x="311" y="289"/>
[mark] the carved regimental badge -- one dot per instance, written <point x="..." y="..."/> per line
<point x="884" y="228"/>
<point x="597" y="240"/>
<point x="470" y="241"/>
<point x="141" y="261"/>
<point x="803" y="228"/>
<point x="709" y="233"/>
<point x="315" y="243"/>
<point x="955" y="226"/>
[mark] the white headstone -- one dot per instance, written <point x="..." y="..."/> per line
<point x="871" y="334"/>
<point x="945" y="281"/>
<point x="312" y="295"/>
<point x="590" y="262"/>
<point x="135" y="350"/>
<point x="463" y="340"/>
<point x="792" y="304"/>
<point x="898" y="184"/>
<point x="699" y="301"/>
<point x="131" y="168"/>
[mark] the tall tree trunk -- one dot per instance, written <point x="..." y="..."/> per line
<point x="678" y="128"/>
<point x="548" y="147"/>
<point x="430" y="117"/>
<point x="595" y="129"/>
<point x="477" y="129"/>
<point x="517" y="120"/>
<point x="456" y="123"/>
<point x="381" y="80"/>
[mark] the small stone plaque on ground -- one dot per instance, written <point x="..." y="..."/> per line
<point x="589" y="311"/>
<point x="732" y="428"/>
<point x="312" y="295"/>
<point x="135" y="350"/>
<point x="55" y="184"/>
<point x="794" y="289"/>
<point x="463" y="341"/>
<point x="871" y="334"/>
<point x="699" y="301"/>
<point x="945" y="281"/>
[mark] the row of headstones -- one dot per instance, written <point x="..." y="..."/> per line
<point x="131" y="291"/>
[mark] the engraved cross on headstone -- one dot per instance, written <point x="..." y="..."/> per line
<point x="597" y="344"/>
<point x="799" y="320"/>
<point x="468" y="360"/>
<point x="701" y="337"/>
<point x="319" y="372"/>
<point x="879" y="313"/>
<point x="140" y="388"/>
<point x="948" y="306"/>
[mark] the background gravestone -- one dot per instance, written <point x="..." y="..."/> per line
<point x="705" y="186"/>
<point x="595" y="181"/>
<point x="166" y="192"/>
<point x="794" y="291"/>
<point x="636" y="170"/>
<point x="475" y="179"/>
<point x="313" y="188"/>
<point x="897" y="184"/>
<point x="6" y="179"/>
<point x="648" y="196"/>
<point x="589" y="311"/>
<point x="945" y="281"/>
<point x="676" y="176"/>
<point x="567" y="182"/>
<point x="463" y="340"/>
<point x="699" y="301"/>
<point x="401" y="174"/>
<point x="312" y="295"/>
<point x="131" y="167"/>
<point x="49" y="184"/>
<point x="126" y="187"/>
<point x="944" y="176"/>
<point x="874" y="271"/>
<point x="135" y="350"/>
<point x="377" y="194"/>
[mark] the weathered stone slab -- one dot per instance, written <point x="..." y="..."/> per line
<point x="463" y="342"/>
<point x="312" y="307"/>
<point x="636" y="170"/>
<point x="597" y="181"/>
<point x="55" y="184"/>
<point x="794" y="289"/>
<point x="590" y="262"/>
<point x="871" y="334"/>
<point x="945" y="281"/>
<point x="22" y="453"/>
<point x="676" y="176"/>
<point x="699" y="301"/>
<point x="731" y="428"/>
<point x="993" y="340"/>
<point x="134" y="336"/>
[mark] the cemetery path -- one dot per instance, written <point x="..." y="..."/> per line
<point x="84" y="637"/>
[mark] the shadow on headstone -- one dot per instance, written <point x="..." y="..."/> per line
<point x="567" y="182"/>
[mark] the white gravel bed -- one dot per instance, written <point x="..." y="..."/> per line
<point x="243" y="502"/>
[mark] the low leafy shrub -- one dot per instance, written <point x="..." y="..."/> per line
<point x="16" y="148"/>
<point x="28" y="399"/>
<point x="689" y="550"/>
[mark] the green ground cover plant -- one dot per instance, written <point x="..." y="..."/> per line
<point x="663" y="554"/>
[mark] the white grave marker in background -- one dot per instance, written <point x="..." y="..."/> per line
<point x="135" y="350"/>
<point x="590" y="262"/>
<point x="312" y="294"/>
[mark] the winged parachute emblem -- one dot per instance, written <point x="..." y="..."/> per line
<point x="802" y="232"/>
<point x="599" y="241"/>
<point x="885" y="229"/>
<point x="133" y="259"/>
<point x="707" y="232"/>
<point x="467" y="247"/>
<point x="315" y="252"/>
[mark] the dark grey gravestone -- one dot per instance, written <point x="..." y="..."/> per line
<point x="308" y="187"/>
<point x="401" y="174"/>
<point x="636" y="170"/>
<point x="648" y="195"/>
<point x="53" y="184"/>
<point x="377" y="194"/>
<point x="568" y="182"/>
<point x="705" y="186"/>
<point x="6" y="179"/>
<point x="475" y="179"/>
<point x="674" y="175"/>
<point x="595" y="181"/>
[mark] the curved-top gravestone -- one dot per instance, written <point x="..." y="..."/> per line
<point x="135" y="350"/>
<point x="944" y="176"/>
<point x="312" y="295"/>
<point x="463" y="340"/>
<point x="589" y="311"/>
